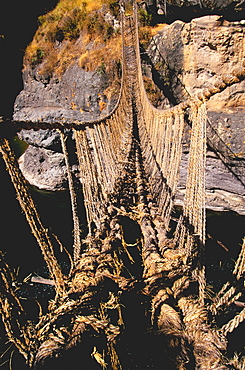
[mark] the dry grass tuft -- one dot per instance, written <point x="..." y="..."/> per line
<point x="60" y="38"/>
<point x="153" y="92"/>
<point x="80" y="31"/>
<point x="102" y="56"/>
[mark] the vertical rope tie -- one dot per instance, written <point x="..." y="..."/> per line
<point x="194" y="203"/>
<point x="73" y="197"/>
<point x="239" y="268"/>
<point x="89" y="179"/>
<point x="137" y="150"/>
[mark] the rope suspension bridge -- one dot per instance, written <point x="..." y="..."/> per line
<point x="129" y="165"/>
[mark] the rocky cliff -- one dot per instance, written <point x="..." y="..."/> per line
<point x="181" y="59"/>
<point x="188" y="57"/>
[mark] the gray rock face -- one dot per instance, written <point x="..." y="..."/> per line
<point x="225" y="191"/>
<point x="77" y="95"/>
<point x="211" y="4"/>
<point x="195" y="55"/>
<point x="191" y="56"/>
<point x="43" y="168"/>
<point x="49" y="139"/>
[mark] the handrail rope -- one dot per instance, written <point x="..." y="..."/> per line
<point x="196" y="193"/>
<point x="239" y="268"/>
<point x="159" y="111"/>
<point x="28" y="206"/>
<point x="131" y="24"/>
<point x="103" y="149"/>
<point x="73" y="197"/>
<point x="230" y="292"/>
<point x="102" y="152"/>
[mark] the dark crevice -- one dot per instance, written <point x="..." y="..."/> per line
<point x="158" y="79"/>
<point x="186" y="13"/>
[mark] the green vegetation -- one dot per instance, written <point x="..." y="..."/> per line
<point x="144" y="18"/>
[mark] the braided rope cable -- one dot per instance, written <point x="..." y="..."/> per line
<point x="239" y="268"/>
<point x="32" y="216"/>
<point x="73" y="197"/>
<point x="207" y="343"/>
<point x="103" y="149"/>
<point x="233" y="323"/>
<point x="229" y="297"/>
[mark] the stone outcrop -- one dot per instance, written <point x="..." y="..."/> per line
<point x="76" y="95"/>
<point x="43" y="168"/>
<point x="185" y="57"/>
<point x="43" y="163"/>
<point x="195" y="55"/>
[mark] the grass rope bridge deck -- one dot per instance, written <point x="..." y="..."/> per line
<point x="129" y="166"/>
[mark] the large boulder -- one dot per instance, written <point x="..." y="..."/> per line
<point x="43" y="168"/>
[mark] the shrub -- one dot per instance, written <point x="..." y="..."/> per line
<point x="114" y="7"/>
<point x="38" y="56"/>
<point x="153" y="92"/>
<point x="144" y="17"/>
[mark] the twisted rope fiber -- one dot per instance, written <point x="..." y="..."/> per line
<point x="134" y="136"/>
<point x="193" y="212"/>
<point x="32" y="216"/>
<point x="239" y="268"/>
<point x="76" y="223"/>
<point x="227" y="297"/>
<point x="16" y="333"/>
<point x="233" y="324"/>
<point x="99" y="179"/>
